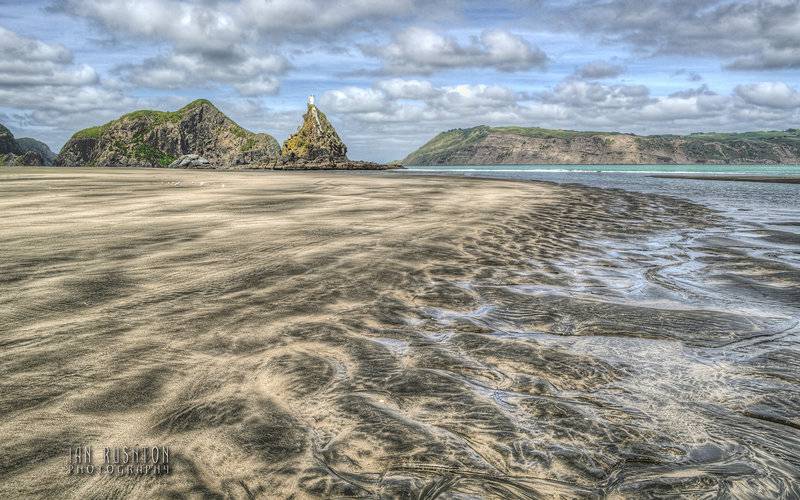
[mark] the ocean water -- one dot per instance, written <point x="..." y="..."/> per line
<point x="760" y="202"/>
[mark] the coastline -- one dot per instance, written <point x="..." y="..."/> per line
<point x="295" y="334"/>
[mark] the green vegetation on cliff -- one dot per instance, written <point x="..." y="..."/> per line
<point x="157" y="138"/>
<point x="154" y="117"/>
<point x="316" y="140"/>
<point x="501" y="145"/>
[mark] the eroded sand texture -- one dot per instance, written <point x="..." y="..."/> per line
<point x="364" y="335"/>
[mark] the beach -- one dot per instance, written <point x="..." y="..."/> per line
<point x="384" y="334"/>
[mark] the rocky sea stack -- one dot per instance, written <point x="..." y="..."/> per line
<point x="23" y="152"/>
<point x="158" y="138"/>
<point x="316" y="145"/>
<point x="518" y="145"/>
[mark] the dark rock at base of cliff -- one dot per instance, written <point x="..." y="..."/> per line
<point x="191" y="161"/>
<point x="28" y="159"/>
<point x="79" y="152"/>
<point x="26" y="144"/>
<point x="287" y="164"/>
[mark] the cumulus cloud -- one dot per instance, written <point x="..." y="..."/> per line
<point x="423" y="51"/>
<point x="219" y="24"/>
<point x="41" y="78"/>
<point x="231" y="42"/>
<point x="687" y="93"/>
<point x="576" y="93"/>
<point x="749" y="35"/>
<point x="43" y="90"/>
<point x="249" y="74"/>
<point x="29" y="62"/>
<point x="407" y="89"/>
<point x="770" y="95"/>
<point x="571" y="102"/>
<point x="356" y="100"/>
<point x="598" y="70"/>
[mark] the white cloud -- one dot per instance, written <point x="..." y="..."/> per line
<point x="423" y="51"/>
<point x="260" y="86"/>
<point x="215" y="25"/>
<point x="249" y="74"/>
<point x="355" y="100"/>
<point x="597" y="70"/>
<point x="407" y="89"/>
<point x="42" y="90"/>
<point x="15" y="47"/>
<point x="235" y="43"/>
<point x="29" y="62"/>
<point x="465" y="96"/>
<point x="751" y="35"/>
<point x="576" y="93"/>
<point x="770" y="95"/>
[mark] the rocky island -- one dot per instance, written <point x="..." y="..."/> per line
<point x="316" y="145"/>
<point x="518" y="145"/>
<point x="200" y="136"/>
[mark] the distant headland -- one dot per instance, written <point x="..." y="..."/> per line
<point x="518" y="145"/>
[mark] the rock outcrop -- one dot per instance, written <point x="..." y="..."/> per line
<point x="516" y="145"/>
<point x="8" y="145"/>
<point x="201" y="136"/>
<point x="191" y="161"/>
<point x="316" y="146"/>
<point x="27" y="144"/>
<point x="15" y="153"/>
<point x="315" y="142"/>
<point x="158" y="138"/>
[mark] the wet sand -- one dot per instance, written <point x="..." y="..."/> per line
<point x="736" y="178"/>
<point x="365" y="335"/>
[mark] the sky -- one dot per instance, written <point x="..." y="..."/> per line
<point x="391" y="74"/>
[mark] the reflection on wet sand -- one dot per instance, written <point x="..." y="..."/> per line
<point x="378" y="335"/>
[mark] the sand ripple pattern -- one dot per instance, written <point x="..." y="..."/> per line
<point x="341" y="335"/>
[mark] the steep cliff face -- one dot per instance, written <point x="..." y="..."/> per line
<point x="27" y="144"/>
<point x="7" y="143"/>
<point x="315" y="142"/>
<point x="517" y="145"/>
<point x="12" y="153"/>
<point x="158" y="138"/>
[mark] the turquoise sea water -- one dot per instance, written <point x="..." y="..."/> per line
<point x="646" y="169"/>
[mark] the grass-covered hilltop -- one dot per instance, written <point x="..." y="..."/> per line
<point x="200" y="136"/>
<point x="159" y="138"/>
<point x="519" y="145"/>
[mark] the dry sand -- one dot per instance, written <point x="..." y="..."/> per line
<point x="324" y="334"/>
